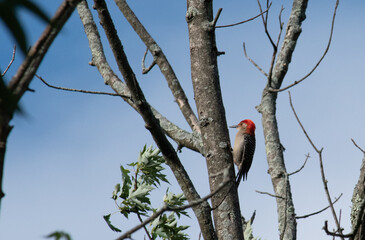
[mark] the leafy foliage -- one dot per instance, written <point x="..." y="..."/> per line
<point x="132" y="195"/>
<point x="107" y="220"/>
<point x="59" y="235"/>
<point x="166" y="227"/>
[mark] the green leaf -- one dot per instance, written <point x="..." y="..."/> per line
<point x="173" y="200"/>
<point x="116" y="191"/>
<point x="141" y="193"/>
<point x="127" y="183"/>
<point x="58" y="235"/>
<point x="111" y="226"/>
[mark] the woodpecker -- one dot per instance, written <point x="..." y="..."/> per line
<point x="244" y="147"/>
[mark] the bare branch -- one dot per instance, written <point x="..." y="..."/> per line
<point x="20" y="82"/>
<point x="189" y="140"/>
<point x="302" y="127"/>
<point x="264" y="21"/>
<point x="216" y="17"/>
<point x="306" y="159"/>
<point x="334" y="234"/>
<point x="320" y="60"/>
<point x="166" y="208"/>
<point x="11" y="61"/>
<point x="271" y="195"/>
<point x="80" y="90"/>
<point x="311" y="214"/>
<point x="144" y="69"/>
<point x="324" y="180"/>
<point x="144" y="227"/>
<point x="249" y="59"/>
<point x="362" y="150"/>
<point x="164" y="65"/>
<point x="245" y="21"/>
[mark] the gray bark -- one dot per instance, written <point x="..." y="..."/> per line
<point x="213" y="126"/>
<point x="267" y="107"/>
<point x="358" y="206"/>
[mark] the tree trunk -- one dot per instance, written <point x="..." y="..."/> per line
<point x="358" y="206"/>
<point x="274" y="149"/>
<point x="213" y="125"/>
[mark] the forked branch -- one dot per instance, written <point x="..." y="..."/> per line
<point x="320" y="60"/>
<point x="324" y="180"/>
<point x="162" y="62"/>
<point x="144" y="69"/>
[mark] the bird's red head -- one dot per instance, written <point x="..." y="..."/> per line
<point x="249" y="126"/>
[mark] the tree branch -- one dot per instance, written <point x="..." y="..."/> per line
<point x="163" y="64"/>
<point x="334" y="234"/>
<point x="324" y="180"/>
<point x="320" y="60"/>
<point x="144" y="69"/>
<point x="362" y="150"/>
<point x="245" y="21"/>
<point x="80" y="90"/>
<point x="11" y="61"/>
<point x="253" y="62"/>
<point x="20" y="82"/>
<point x="271" y="195"/>
<point x="315" y="213"/>
<point x="264" y="21"/>
<point x="274" y="151"/>
<point x="214" y="23"/>
<point x="306" y="159"/>
<point x="191" y="141"/>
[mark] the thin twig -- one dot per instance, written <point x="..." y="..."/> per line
<point x="300" y="169"/>
<point x="245" y="21"/>
<point x="166" y="208"/>
<point x="271" y="195"/>
<point x="311" y="214"/>
<point x="334" y="234"/>
<point x="80" y="90"/>
<point x="144" y="69"/>
<point x="362" y="150"/>
<point x="302" y="127"/>
<point x="11" y="61"/>
<point x="264" y="21"/>
<point x="144" y="227"/>
<point x="253" y="62"/>
<point x="320" y="60"/>
<point x="275" y="47"/>
<point x="216" y="17"/>
<point x="324" y="180"/>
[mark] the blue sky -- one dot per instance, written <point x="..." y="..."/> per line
<point x="63" y="156"/>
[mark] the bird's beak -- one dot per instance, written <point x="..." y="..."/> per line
<point x="233" y="126"/>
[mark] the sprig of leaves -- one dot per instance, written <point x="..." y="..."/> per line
<point x="133" y="195"/>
